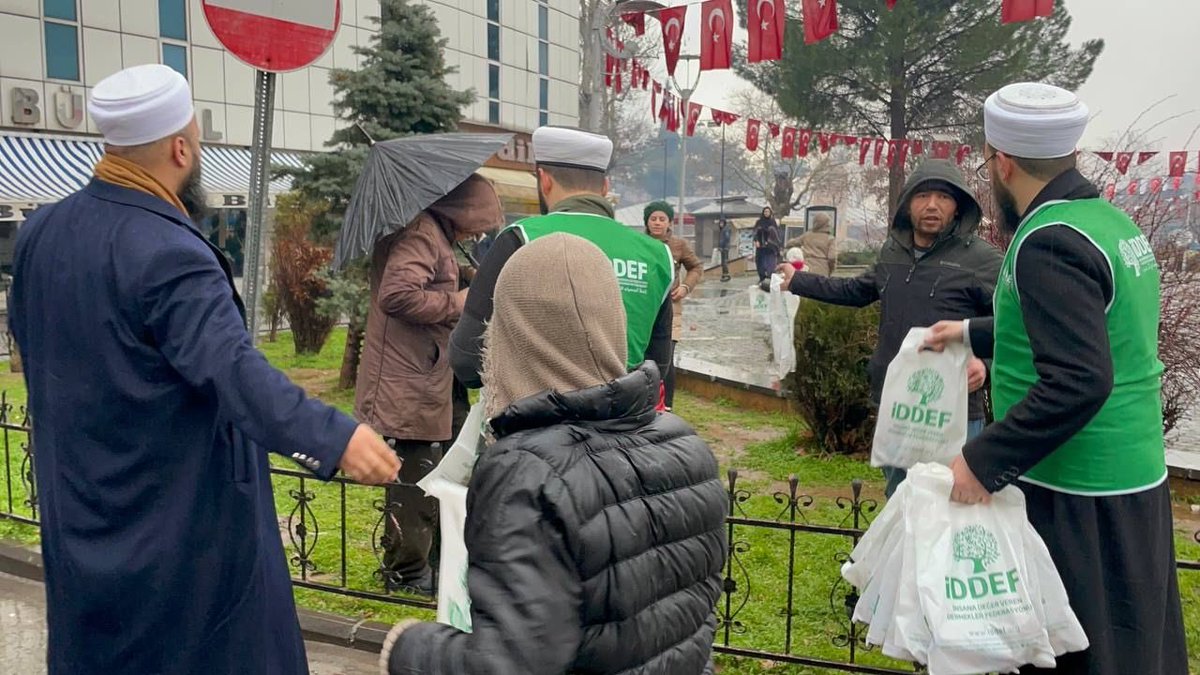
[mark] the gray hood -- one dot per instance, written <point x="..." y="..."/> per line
<point x="970" y="214"/>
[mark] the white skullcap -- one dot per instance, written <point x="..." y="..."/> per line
<point x="1035" y="121"/>
<point x="141" y="104"/>
<point x="561" y="146"/>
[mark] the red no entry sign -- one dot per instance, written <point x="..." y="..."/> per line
<point x="274" y="35"/>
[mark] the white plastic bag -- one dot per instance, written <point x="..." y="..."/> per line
<point x="448" y="484"/>
<point x="974" y="579"/>
<point x="783" y="306"/>
<point x="923" y="410"/>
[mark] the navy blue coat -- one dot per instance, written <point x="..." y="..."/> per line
<point x="151" y="408"/>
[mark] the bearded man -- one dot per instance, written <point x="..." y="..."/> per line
<point x="152" y="413"/>
<point x="1076" y="387"/>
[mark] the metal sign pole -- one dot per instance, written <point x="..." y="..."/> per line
<point x="260" y="166"/>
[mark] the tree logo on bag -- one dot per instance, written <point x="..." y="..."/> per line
<point x="928" y="383"/>
<point x="977" y="545"/>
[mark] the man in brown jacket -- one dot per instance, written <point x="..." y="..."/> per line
<point x="404" y="381"/>
<point x="819" y="246"/>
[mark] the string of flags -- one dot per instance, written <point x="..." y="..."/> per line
<point x="766" y="21"/>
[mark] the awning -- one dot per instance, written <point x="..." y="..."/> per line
<point x="517" y="189"/>
<point x="38" y="169"/>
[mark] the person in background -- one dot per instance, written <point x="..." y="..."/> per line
<point x="404" y="384"/>
<point x="595" y="526"/>
<point x="768" y="241"/>
<point x="724" y="241"/>
<point x="932" y="267"/>
<point x="819" y="246"/>
<point x="1076" y="384"/>
<point x="572" y="179"/>
<point x="153" y="414"/>
<point x="657" y="217"/>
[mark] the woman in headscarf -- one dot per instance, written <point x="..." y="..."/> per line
<point x="657" y="218"/>
<point x="404" y="388"/>
<point x="594" y="526"/>
<point x="767" y="243"/>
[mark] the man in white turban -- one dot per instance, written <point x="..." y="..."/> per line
<point x="1076" y="385"/>
<point x="153" y="412"/>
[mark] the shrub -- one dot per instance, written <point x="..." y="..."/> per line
<point x="830" y="388"/>
<point x="296" y="272"/>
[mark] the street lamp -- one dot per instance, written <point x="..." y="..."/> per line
<point x="685" y="91"/>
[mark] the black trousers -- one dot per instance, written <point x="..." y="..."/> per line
<point x="669" y="378"/>
<point x="724" y="262"/>
<point x="411" y="518"/>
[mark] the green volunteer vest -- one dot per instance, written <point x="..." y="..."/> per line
<point x="1121" y="450"/>
<point x="643" y="265"/>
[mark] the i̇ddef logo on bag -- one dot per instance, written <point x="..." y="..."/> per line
<point x="976" y="545"/>
<point x="929" y="386"/>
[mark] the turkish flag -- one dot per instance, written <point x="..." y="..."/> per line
<point x="1106" y="156"/>
<point x="825" y="140"/>
<point x="850" y="141"/>
<point x="1016" y="11"/>
<point x="787" y="149"/>
<point x="897" y="152"/>
<point x="716" y="35"/>
<point x="672" y="20"/>
<point x="1124" y="159"/>
<point x="654" y="98"/>
<point x="774" y="129"/>
<point x="693" y="117"/>
<point x="941" y="149"/>
<point x="753" y="129"/>
<point x="864" y="146"/>
<point x="1155" y="185"/>
<point x="1144" y="157"/>
<point x="637" y="20"/>
<point x="964" y="151"/>
<point x="1177" y="182"/>
<point x="820" y="20"/>
<point x="1110" y="191"/>
<point x="1133" y="187"/>
<point x="1178" y="164"/>
<point x="891" y="4"/>
<point x="765" y="22"/>
<point x="918" y="148"/>
<point x="804" y="142"/>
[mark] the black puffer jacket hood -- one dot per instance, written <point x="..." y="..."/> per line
<point x="596" y="540"/>
<point x="939" y="171"/>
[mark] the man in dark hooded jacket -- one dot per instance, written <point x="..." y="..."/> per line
<point x="932" y="267"/>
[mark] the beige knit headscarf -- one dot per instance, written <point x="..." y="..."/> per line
<point x="558" y="323"/>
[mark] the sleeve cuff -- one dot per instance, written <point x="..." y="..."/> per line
<point x="967" y="335"/>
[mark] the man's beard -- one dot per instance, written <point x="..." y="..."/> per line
<point x="192" y="195"/>
<point x="1006" y="204"/>
<point x="545" y="208"/>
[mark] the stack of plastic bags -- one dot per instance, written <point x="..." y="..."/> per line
<point x="962" y="589"/>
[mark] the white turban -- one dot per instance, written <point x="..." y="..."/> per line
<point x="141" y="104"/>
<point x="561" y="146"/>
<point x="1035" y="121"/>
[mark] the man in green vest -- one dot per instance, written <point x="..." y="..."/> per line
<point x="572" y="167"/>
<point x="1076" y="384"/>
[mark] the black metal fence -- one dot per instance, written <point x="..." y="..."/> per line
<point x="784" y="599"/>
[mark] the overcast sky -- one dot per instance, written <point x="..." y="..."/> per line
<point x="1150" y="54"/>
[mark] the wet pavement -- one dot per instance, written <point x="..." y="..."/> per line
<point x="23" y="637"/>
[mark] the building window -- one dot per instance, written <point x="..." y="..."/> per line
<point x="493" y="112"/>
<point x="543" y="23"/>
<point x="61" y="9"/>
<point x="172" y="19"/>
<point x="543" y="58"/>
<point x="543" y="119"/>
<point x="544" y="94"/>
<point x="493" y="10"/>
<point x="493" y="31"/>
<point x="175" y="57"/>
<point x="62" y="51"/>
<point x="493" y="81"/>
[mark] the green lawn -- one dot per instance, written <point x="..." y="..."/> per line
<point x="762" y="447"/>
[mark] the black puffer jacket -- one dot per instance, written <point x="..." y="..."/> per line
<point x="955" y="279"/>
<point x="596" y="543"/>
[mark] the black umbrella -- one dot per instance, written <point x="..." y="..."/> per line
<point x="404" y="176"/>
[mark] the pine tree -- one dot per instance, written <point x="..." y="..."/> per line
<point x="399" y="89"/>
<point x="924" y="67"/>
